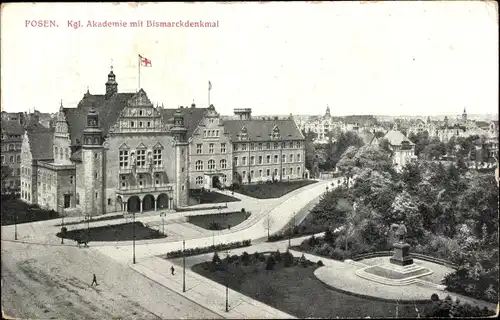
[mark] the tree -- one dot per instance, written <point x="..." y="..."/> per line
<point x="268" y="223"/>
<point x="287" y="259"/>
<point x="270" y="263"/>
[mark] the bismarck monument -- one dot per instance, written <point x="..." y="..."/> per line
<point x="401" y="255"/>
<point x="398" y="270"/>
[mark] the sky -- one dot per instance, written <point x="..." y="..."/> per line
<point x="381" y="58"/>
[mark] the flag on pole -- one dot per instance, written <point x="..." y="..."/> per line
<point x="145" y="62"/>
<point x="209" y="85"/>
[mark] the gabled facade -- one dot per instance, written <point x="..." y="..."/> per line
<point x="210" y="152"/>
<point x="112" y="153"/>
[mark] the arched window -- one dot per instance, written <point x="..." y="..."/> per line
<point x="66" y="153"/>
<point x="223" y="164"/>
<point x="96" y="140"/>
<point x="298" y="171"/>
<point x="224" y="178"/>
<point x="199" y="180"/>
<point x="55" y="151"/>
<point x="61" y="153"/>
<point x="211" y="164"/>
<point x="199" y="165"/>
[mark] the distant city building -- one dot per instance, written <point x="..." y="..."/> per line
<point x="402" y="148"/>
<point x="14" y="127"/>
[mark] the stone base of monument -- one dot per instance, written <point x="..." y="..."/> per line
<point x="393" y="275"/>
<point x="401" y="255"/>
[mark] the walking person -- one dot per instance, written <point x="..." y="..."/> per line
<point x="94" y="280"/>
<point x="173" y="270"/>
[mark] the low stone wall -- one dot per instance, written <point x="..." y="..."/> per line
<point x="415" y="255"/>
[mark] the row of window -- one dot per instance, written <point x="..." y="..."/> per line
<point x="267" y="173"/>
<point x="61" y="153"/>
<point x="211" y="148"/>
<point x="11" y="159"/>
<point x="266" y="146"/>
<point x="139" y="158"/>
<point x="211" y="133"/>
<point x="260" y="159"/>
<point x="199" y="180"/>
<point x="141" y="180"/>
<point x="211" y="165"/>
<point x="11" y="147"/>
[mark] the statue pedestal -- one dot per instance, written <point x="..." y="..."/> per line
<point x="401" y="255"/>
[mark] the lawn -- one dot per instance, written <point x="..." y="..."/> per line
<point x="296" y="291"/>
<point x="199" y="196"/>
<point x="119" y="216"/>
<point x="117" y="232"/>
<point x="15" y="208"/>
<point x="272" y="190"/>
<point x="219" y="221"/>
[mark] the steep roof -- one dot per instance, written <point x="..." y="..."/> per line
<point x="262" y="130"/>
<point x="108" y="109"/>
<point x="12" y="127"/>
<point x="40" y="140"/>
<point x="396" y="138"/>
<point x="192" y="117"/>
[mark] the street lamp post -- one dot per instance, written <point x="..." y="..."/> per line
<point x="133" y="237"/>
<point x="162" y="215"/>
<point x="62" y="225"/>
<point x="183" y="266"/>
<point x="227" y="284"/>
<point x="15" y="226"/>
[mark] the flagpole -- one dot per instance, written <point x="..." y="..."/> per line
<point x="139" y="57"/>
<point x="209" y="88"/>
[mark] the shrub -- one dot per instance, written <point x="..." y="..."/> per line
<point x="329" y="238"/>
<point x="216" y="259"/>
<point x="256" y="255"/>
<point x="277" y="256"/>
<point x="320" y="263"/>
<point x="243" y="210"/>
<point x="214" y="226"/>
<point x="245" y="258"/>
<point x="262" y="258"/>
<point x="303" y="261"/>
<point x="270" y="263"/>
<point x="287" y="259"/>
<point x="337" y="254"/>
<point x="202" y="250"/>
<point x="233" y="258"/>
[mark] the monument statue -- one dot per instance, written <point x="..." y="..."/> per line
<point x="401" y="255"/>
<point x="400" y="231"/>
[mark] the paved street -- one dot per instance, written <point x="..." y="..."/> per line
<point x="66" y="271"/>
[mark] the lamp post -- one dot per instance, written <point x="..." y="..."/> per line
<point x="133" y="237"/>
<point x="62" y="225"/>
<point x="183" y="266"/>
<point x="162" y="215"/>
<point x="15" y="226"/>
<point x="227" y="284"/>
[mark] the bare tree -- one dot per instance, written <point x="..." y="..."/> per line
<point x="268" y="223"/>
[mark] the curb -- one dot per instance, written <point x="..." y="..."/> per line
<point x="174" y="291"/>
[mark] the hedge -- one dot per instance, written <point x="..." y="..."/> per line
<point x="212" y="248"/>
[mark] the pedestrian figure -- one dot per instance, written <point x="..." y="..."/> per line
<point x="94" y="280"/>
<point x="173" y="270"/>
<point x="229" y="226"/>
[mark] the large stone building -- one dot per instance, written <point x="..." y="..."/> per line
<point x="14" y="126"/>
<point x="244" y="149"/>
<point x="113" y="152"/>
<point x="117" y="152"/>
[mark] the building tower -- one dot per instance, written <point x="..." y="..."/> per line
<point x="179" y="131"/>
<point x="327" y="112"/>
<point x="92" y="160"/>
<point x="464" y="117"/>
<point x="111" y="85"/>
<point x="445" y="124"/>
